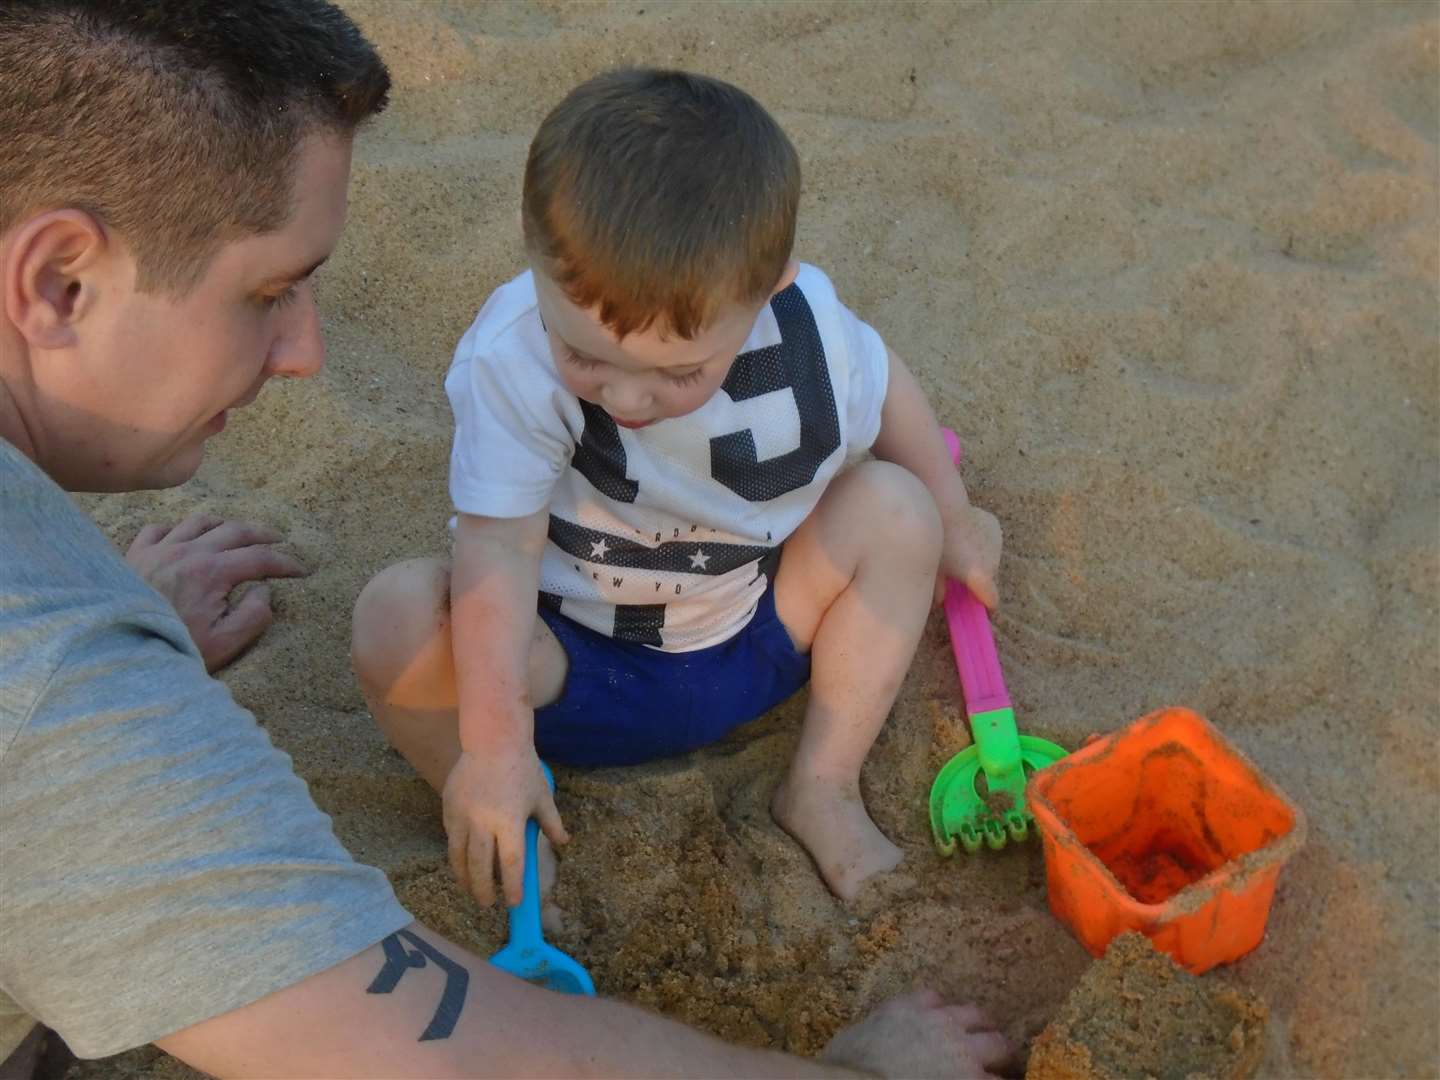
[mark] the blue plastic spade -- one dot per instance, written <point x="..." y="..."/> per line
<point x="527" y="954"/>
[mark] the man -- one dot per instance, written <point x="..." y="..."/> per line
<point x="174" y="172"/>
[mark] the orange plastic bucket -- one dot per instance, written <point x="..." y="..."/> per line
<point x="1165" y="828"/>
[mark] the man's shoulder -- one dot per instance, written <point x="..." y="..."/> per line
<point x="60" y="580"/>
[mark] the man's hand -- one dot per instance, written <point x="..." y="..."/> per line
<point x="486" y="803"/>
<point x="196" y="564"/>
<point x="971" y="555"/>
<point x="918" y="1035"/>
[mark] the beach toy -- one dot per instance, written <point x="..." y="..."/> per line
<point x="1165" y="828"/>
<point x="959" y="810"/>
<point x="527" y="954"/>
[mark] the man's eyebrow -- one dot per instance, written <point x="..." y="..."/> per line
<point x="299" y="275"/>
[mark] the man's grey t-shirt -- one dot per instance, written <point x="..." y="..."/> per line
<point x="160" y="863"/>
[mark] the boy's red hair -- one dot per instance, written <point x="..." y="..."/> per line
<point x="658" y="197"/>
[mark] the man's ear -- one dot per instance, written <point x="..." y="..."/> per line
<point x="47" y="271"/>
<point x="787" y="277"/>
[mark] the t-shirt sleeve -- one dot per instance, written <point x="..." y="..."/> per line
<point x="163" y="863"/>
<point x="511" y="443"/>
<point x="869" y="379"/>
<point x="859" y="360"/>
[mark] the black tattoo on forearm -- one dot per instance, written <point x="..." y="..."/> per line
<point x="398" y="961"/>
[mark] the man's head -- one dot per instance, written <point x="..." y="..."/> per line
<point x="659" y="215"/>
<point x="174" y="171"/>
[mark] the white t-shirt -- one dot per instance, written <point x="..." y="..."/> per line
<point x="660" y="535"/>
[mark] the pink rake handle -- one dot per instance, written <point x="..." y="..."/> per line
<point x="971" y="637"/>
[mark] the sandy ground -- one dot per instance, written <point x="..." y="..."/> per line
<point x="1170" y="270"/>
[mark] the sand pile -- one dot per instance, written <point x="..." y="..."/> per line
<point x="1170" y="270"/>
<point x="1137" y="1014"/>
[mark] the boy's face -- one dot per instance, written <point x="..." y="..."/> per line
<point x="646" y="377"/>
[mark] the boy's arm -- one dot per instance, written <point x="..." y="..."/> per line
<point x="366" y="1018"/>
<point x="910" y="437"/>
<point x="496" y="784"/>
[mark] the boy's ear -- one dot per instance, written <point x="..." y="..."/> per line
<point x="787" y="277"/>
<point x="46" y="271"/>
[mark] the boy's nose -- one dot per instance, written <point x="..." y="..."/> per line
<point x="624" y="398"/>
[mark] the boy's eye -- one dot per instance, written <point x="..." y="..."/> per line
<point x="687" y="380"/>
<point x="584" y="363"/>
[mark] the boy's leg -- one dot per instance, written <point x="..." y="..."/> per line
<point x="854" y="588"/>
<point x="401" y="649"/>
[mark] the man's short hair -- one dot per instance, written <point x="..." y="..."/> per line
<point x="175" y="122"/>
<point x="660" y="196"/>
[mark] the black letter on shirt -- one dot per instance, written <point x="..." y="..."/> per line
<point x="600" y="457"/>
<point x="640" y="623"/>
<point x="799" y="363"/>
<point x="398" y="962"/>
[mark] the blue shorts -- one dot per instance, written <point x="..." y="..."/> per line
<point x="625" y="703"/>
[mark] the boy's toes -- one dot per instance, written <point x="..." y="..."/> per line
<point x="847" y="878"/>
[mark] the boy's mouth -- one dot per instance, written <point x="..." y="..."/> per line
<point x="632" y="424"/>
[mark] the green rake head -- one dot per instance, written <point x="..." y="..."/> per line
<point x="979" y="796"/>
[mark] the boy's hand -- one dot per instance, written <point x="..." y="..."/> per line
<point x="971" y="555"/>
<point x="487" y="801"/>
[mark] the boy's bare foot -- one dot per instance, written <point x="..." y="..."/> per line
<point x="830" y="821"/>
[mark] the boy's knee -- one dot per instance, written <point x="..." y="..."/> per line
<point x="901" y="509"/>
<point x="398" y="608"/>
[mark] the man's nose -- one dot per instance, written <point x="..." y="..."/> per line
<point x="300" y="351"/>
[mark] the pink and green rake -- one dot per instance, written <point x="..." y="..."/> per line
<point x="960" y="812"/>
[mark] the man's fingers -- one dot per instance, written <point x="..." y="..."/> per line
<point x="238" y="534"/>
<point x="990" y="1048"/>
<point x="258" y="561"/>
<point x="236" y="630"/>
<point x="924" y="998"/>
<point x="193" y="526"/>
<point x="151" y="534"/>
<point x="968" y="1018"/>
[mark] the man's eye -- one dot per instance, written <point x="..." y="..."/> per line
<point x="289" y="296"/>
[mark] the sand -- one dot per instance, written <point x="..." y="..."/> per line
<point x="1136" y="1013"/>
<point x="1169" y="270"/>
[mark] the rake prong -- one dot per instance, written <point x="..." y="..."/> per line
<point x="1018" y="827"/>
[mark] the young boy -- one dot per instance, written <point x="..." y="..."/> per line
<point x="653" y="428"/>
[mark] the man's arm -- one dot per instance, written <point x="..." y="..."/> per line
<point x="417" y="1006"/>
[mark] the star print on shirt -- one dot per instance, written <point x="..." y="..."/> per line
<point x="698" y="560"/>
<point x="598" y="549"/>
